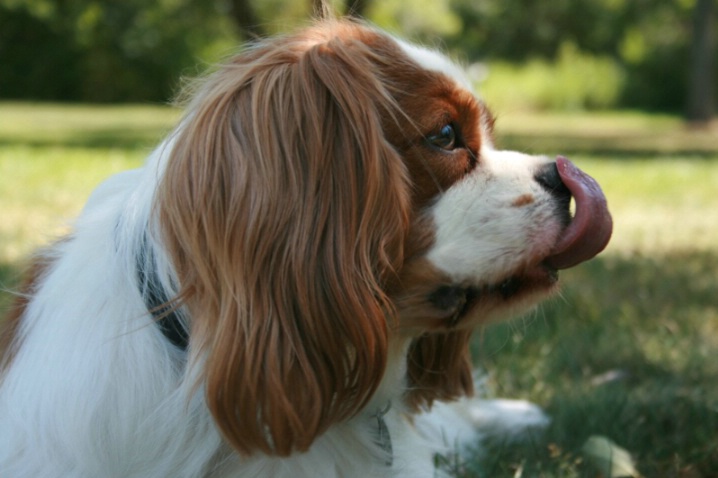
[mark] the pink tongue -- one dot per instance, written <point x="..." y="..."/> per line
<point x="591" y="226"/>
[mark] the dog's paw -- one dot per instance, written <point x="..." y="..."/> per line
<point x="504" y="419"/>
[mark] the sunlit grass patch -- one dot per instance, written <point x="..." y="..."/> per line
<point x="659" y="204"/>
<point x="51" y="158"/>
<point x="46" y="187"/>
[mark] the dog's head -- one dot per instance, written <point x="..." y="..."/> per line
<point x="335" y="193"/>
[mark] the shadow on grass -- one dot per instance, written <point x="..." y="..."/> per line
<point x="628" y="352"/>
<point x="108" y="138"/>
<point x="132" y="138"/>
<point x="608" y="145"/>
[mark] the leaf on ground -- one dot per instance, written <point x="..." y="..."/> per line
<point x="611" y="460"/>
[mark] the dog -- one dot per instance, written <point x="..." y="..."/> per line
<point x="288" y="286"/>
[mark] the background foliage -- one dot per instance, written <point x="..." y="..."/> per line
<point x="135" y="50"/>
<point x="104" y="50"/>
<point x="648" y="39"/>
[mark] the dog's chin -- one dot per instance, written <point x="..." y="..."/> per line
<point x="467" y="306"/>
<point x="512" y="296"/>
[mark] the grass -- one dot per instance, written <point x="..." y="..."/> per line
<point x="52" y="156"/>
<point x="84" y="126"/>
<point x="627" y="351"/>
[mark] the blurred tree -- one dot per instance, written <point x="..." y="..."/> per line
<point x="702" y="79"/>
<point x="245" y="19"/>
<point x="36" y="61"/>
<point x="358" y="8"/>
<point x="423" y="20"/>
<point x="104" y="50"/>
<point x="247" y="14"/>
<point x="134" y="50"/>
<point x="650" y="39"/>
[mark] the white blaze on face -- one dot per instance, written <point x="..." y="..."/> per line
<point x="434" y="61"/>
<point x="496" y="219"/>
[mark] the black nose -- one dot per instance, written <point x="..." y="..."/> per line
<point x="547" y="176"/>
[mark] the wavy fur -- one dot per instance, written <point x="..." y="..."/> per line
<point x="327" y="245"/>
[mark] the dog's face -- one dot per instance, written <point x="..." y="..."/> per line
<point x="335" y="195"/>
<point x="484" y="220"/>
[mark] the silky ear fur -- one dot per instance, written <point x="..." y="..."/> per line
<point x="284" y="211"/>
<point x="439" y="368"/>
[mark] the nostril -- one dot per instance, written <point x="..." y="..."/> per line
<point x="547" y="176"/>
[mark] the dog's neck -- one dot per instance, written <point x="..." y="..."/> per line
<point x="174" y="329"/>
<point x="157" y="301"/>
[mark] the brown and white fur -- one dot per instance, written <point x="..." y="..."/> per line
<point x="329" y="222"/>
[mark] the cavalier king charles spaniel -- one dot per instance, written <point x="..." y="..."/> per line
<point x="288" y="287"/>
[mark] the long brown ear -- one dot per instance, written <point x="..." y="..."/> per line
<point x="284" y="211"/>
<point x="439" y="368"/>
<point x="10" y="323"/>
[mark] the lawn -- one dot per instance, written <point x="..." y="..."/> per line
<point x="626" y="352"/>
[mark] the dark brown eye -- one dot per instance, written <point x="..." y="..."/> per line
<point x="444" y="139"/>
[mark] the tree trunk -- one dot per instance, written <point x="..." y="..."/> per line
<point x="250" y="27"/>
<point x="245" y="19"/>
<point x="701" y="86"/>
<point x="357" y="8"/>
<point x="354" y="8"/>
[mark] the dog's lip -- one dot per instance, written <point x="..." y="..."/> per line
<point x="459" y="301"/>
<point x="590" y="229"/>
<point x="533" y="278"/>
